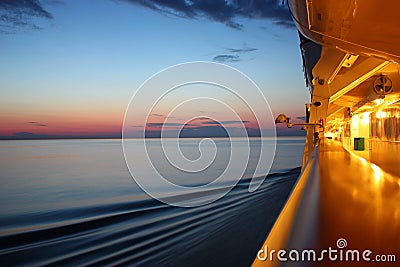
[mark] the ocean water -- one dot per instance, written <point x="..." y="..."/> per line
<point x="73" y="202"/>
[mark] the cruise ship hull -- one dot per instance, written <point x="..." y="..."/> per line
<point x="347" y="198"/>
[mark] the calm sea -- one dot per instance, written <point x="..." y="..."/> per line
<point x="73" y="202"/>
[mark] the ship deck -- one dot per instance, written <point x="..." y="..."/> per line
<point x="342" y="196"/>
<point x="358" y="201"/>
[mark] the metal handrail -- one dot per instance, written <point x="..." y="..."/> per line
<point x="282" y="230"/>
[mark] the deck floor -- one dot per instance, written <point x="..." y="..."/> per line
<point x="339" y="196"/>
<point x="358" y="201"/>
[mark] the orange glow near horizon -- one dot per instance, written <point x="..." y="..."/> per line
<point x="47" y="121"/>
<point x="96" y="118"/>
<point x="72" y="124"/>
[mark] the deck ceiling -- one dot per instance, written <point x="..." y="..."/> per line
<point x="361" y="98"/>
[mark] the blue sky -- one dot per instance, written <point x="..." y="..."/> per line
<point x="72" y="66"/>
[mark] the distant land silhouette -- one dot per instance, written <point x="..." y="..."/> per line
<point x="201" y="132"/>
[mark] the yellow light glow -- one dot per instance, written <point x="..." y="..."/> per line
<point x="379" y="101"/>
<point x="380" y="114"/>
<point x="363" y="161"/>
<point x="378" y="174"/>
<point x="365" y="118"/>
<point x="355" y="118"/>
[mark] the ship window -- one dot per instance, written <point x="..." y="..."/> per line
<point x="385" y="124"/>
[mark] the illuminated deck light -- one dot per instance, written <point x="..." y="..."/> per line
<point x="378" y="174"/>
<point x="379" y="101"/>
<point x="380" y="114"/>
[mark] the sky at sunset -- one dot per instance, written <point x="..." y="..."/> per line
<point x="70" y="68"/>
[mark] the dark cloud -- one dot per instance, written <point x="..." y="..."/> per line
<point x="233" y="54"/>
<point x="226" y="58"/>
<point x="156" y="115"/>
<point x="204" y="118"/>
<point x="222" y="122"/>
<point x="160" y="116"/>
<point x="15" y="14"/>
<point x="204" y="122"/>
<point x="195" y="126"/>
<point x="167" y="124"/>
<point x="303" y="118"/>
<point x="241" y="50"/>
<point x="222" y="11"/>
<point x="35" y="123"/>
